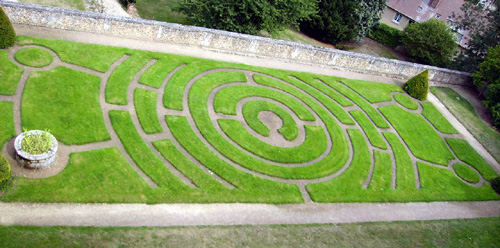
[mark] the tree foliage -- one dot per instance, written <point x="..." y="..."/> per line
<point x="7" y="33"/>
<point x="387" y="35"/>
<point x="483" y="24"/>
<point x="431" y="42"/>
<point x="489" y="70"/>
<point x="247" y="16"/>
<point x="488" y="77"/>
<point x="368" y="14"/>
<point x="343" y="20"/>
<point x="418" y="86"/>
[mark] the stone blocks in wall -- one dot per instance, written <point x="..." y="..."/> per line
<point x="223" y="41"/>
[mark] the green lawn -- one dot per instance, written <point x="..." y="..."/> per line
<point x="145" y="106"/>
<point x="69" y="4"/>
<point x="437" y="233"/>
<point x="160" y="10"/>
<point x="66" y="102"/>
<point x="34" y="57"/>
<point x="198" y="143"/>
<point x="466" y="114"/>
<point x="406" y="101"/>
<point x="10" y="74"/>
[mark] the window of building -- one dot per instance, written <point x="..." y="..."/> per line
<point x="438" y="16"/>
<point x="397" y="17"/>
<point x="419" y="9"/>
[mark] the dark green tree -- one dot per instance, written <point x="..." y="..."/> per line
<point x="418" y="86"/>
<point x="247" y="16"/>
<point x="336" y="21"/>
<point x="488" y="78"/>
<point x="482" y="20"/>
<point x="7" y="33"/>
<point x="368" y="14"/>
<point x="431" y="42"/>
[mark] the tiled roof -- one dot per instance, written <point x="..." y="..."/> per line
<point x="423" y="10"/>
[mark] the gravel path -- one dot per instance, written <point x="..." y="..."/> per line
<point x="235" y="214"/>
<point x="231" y="214"/>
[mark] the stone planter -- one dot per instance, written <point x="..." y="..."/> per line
<point x="39" y="161"/>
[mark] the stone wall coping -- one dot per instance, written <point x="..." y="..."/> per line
<point x="244" y="37"/>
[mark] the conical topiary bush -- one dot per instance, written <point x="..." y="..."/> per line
<point x="7" y="33"/>
<point x="418" y="86"/>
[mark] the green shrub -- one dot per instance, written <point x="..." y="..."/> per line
<point x="431" y="42"/>
<point x="495" y="115"/>
<point x="7" y="33"/>
<point x="386" y="35"/>
<point x="344" y="47"/>
<point x="418" y="86"/>
<point x="5" y="171"/>
<point x="495" y="184"/>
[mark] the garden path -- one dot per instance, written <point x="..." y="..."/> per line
<point x="221" y="214"/>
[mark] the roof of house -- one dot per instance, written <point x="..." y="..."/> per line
<point x="423" y="10"/>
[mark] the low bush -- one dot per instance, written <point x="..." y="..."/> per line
<point x="7" y="33"/>
<point x="344" y="47"/>
<point x="495" y="184"/>
<point x="5" y="172"/>
<point x="386" y="35"/>
<point x="418" y="86"/>
<point x="492" y="103"/>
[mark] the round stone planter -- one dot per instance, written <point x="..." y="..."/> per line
<point x="39" y="161"/>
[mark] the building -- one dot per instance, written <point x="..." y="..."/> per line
<point x="400" y="13"/>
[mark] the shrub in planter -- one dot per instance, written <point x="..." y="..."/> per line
<point x="495" y="184"/>
<point x="37" y="143"/>
<point x="7" y="33"/>
<point x="35" y="149"/>
<point x="5" y="171"/>
<point x="418" y="86"/>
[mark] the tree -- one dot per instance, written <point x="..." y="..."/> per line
<point x="488" y="78"/>
<point x="247" y="16"/>
<point x="489" y="69"/>
<point x="343" y="20"/>
<point x="418" y="86"/>
<point x="431" y="42"/>
<point x="334" y="22"/>
<point x="368" y="14"/>
<point x="7" y="33"/>
<point x="482" y="20"/>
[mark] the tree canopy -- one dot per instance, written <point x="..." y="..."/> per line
<point x="7" y="33"/>
<point x="488" y="78"/>
<point x="483" y="23"/>
<point x="343" y="20"/>
<point x="248" y="16"/>
<point x="334" y="22"/>
<point x="431" y="42"/>
<point x="368" y="14"/>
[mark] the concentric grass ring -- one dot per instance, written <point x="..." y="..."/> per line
<point x="215" y="107"/>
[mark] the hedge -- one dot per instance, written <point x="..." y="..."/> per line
<point x="5" y="171"/>
<point x="7" y="33"/>
<point x="418" y="86"/>
<point x="495" y="184"/>
<point x="387" y="35"/>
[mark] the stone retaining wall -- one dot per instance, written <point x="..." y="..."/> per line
<point x="223" y="41"/>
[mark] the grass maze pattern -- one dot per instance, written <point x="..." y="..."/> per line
<point x="205" y="131"/>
